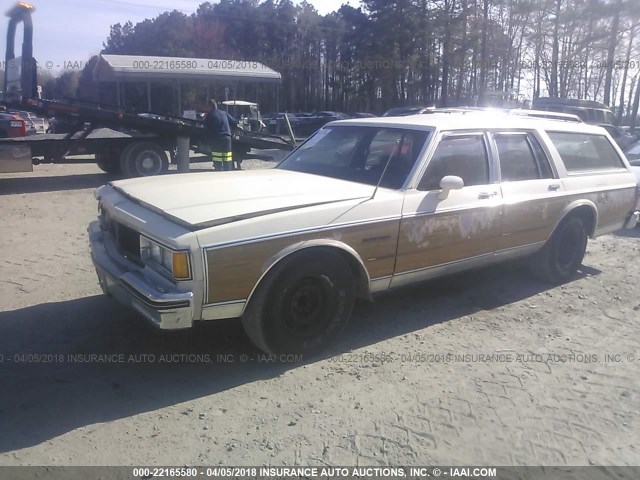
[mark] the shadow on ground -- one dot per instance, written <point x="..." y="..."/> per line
<point x="628" y="233"/>
<point x="47" y="390"/>
<point x="26" y="184"/>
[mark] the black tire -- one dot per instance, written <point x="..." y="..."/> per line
<point x="144" y="159"/>
<point x="558" y="261"/>
<point x="108" y="162"/>
<point x="240" y="151"/>
<point x="302" y="305"/>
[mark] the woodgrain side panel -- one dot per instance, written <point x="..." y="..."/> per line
<point x="234" y="271"/>
<point x="438" y="238"/>
<point x="530" y="222"/>
<point x="614" y="206"/>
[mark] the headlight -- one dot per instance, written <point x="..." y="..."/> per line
<point x="175" y="263"/>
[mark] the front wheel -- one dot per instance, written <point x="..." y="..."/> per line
<point x="303" y="305"/>
<point x="558" y="261"/>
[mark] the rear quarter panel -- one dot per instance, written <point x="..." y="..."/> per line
<point x="612" y="192"/>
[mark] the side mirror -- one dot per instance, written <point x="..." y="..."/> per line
<point x="448" y="183"/>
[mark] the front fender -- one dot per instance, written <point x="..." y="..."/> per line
<point x="350" y="254"/>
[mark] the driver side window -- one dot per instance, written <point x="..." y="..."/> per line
<point x="397" y="151"/>
<point x="464" y="156"/>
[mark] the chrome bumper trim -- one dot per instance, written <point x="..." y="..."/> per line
<point x="222" y="311"/>
<point x="171" y="310"/>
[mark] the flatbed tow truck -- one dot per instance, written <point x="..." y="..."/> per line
<point x="122" y="142"/>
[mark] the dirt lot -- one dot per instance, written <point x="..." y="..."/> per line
<point x="535" y="387"/>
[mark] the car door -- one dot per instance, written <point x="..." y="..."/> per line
<point x="533" y="195"/>
<point x="450" y="233"/>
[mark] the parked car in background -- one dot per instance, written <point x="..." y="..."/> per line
<point x="622" y="138"/>
<point x="275" y="122"/>
<point x="361" y="207"/>
<point x="308" y="123"/>
<point x="360" y="115"/>
<point x="589" y="111"/>
<point x="332" y="115"/>
<point x="633" y="152"/>
<point x="12" y="125"/>
<point x="35" y="124"/>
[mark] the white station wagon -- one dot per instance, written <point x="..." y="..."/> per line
<point x="361" y="207"/>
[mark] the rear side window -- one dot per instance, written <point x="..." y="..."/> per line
<point x="521" y="157"/>
<point x="582" y="152"/>
<point x="464" y="156"/>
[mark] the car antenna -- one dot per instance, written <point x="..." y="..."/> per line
<point x="385" y="169"/>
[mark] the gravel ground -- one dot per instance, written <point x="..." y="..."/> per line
<point x="491" y="367"/>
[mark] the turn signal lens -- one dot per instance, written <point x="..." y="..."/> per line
<point x="180" y="265"/>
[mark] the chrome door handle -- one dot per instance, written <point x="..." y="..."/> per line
<point x="554" y="187"/>
<point x="486" y="195"/>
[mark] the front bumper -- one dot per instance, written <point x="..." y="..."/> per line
<point x="634" y="219"/>
<point x="168" y="310"/>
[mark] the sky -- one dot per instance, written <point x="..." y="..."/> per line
<point x="68" y="32"/>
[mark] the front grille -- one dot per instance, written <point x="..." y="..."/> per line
<point x="127" y="241"/>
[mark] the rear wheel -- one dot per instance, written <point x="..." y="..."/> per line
<point x="561" y="256"/>
<point x="303" y="305"/>
<point x="108" y="162"/>
<point x="144" y="159"/>
<point x="240" y="153"/>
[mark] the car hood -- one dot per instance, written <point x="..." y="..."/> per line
<point x="201" y="200"/>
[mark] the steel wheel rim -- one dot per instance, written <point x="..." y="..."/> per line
<point x="148" y="163"/>
<point x="307" y="306"/>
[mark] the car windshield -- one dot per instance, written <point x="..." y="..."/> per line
<point x="360" y="154"/>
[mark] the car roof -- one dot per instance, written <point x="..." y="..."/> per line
<point x="471" y="119"/>
<point x="546" y="114"/>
